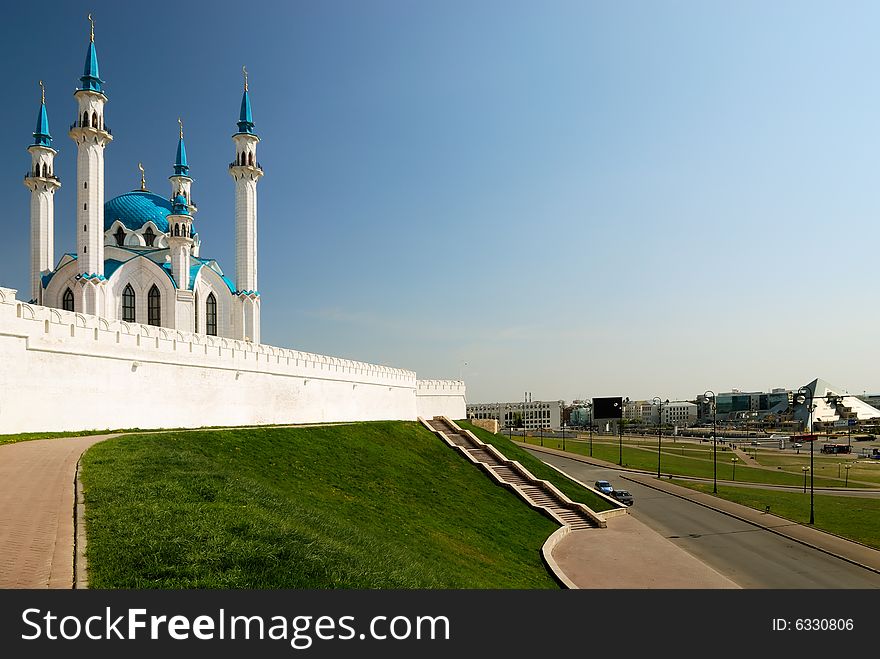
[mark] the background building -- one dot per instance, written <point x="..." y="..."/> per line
<point x="533" y="415"/>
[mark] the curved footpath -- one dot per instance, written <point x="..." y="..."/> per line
<point x="640" y="561"/>
<point x="37" y="516"/>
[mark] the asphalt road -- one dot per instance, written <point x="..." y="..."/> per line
<point x="749" y="555"/>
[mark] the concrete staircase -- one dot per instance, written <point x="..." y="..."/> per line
<point x="539" y="494"/>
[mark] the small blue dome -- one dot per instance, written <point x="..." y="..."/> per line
<point x="135" y="209"/>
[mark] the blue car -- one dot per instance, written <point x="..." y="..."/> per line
<point x="604" y="487"/>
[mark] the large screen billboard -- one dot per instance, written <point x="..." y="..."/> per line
<point x="608" y="408"/>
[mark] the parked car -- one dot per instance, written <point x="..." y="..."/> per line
<point x="623" y="496"/>
<point x="604" y="487"/>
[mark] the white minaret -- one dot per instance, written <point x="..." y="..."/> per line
<point x="42" y="183"/>
<point x="91" y="136"/>
<point x="246" y="172"/>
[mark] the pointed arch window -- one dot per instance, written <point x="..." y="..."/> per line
<point x="67" y="300"/>
<point x="154" y="302"/>
<point x="251" y="159"/>
<point x="149" y="237"/>
<point x="128" y="304"/>
<point x="95" y="119"/>
<point x="196" y="304"/>
<point x="120" y="236"/>
<point x="211" y="315"/>
<point x="85" y="121"/>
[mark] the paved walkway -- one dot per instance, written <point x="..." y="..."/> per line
<point x="37" y="511"/>
<point x="627" y="554"/>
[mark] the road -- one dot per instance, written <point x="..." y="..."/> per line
<point x="749" y="555"/>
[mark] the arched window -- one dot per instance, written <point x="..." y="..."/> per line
<point x="67" y="300"/>
<point x="154" y="301"/>
<point x="250" y="159"/>
<point x="149" y="237"/>
<point x="120" y="236"/>
<point x="176" y="229"/>
<point x="95" y="119"/>
<point x="128" y="304"/>
<point x="85" y="121"/>
<point x="211" y="315"/>
<point x="196" y="304"/>
<point x="45" y="169"/>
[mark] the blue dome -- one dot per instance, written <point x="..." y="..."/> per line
<point x="135" y="209"/>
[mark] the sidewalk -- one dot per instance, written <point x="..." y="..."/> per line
<point x="37" y="511"/>
<point x="592" y="561"/>
<point x="628" y="554"/>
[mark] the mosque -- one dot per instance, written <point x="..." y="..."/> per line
<point x="136" y="315"/>
<point x="138" y="256"/>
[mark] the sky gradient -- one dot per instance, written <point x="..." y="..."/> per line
<point x="574" y="199"/>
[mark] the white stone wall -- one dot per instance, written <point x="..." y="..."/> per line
<point x="441" y="398"/>
<point x="70" y="371"/>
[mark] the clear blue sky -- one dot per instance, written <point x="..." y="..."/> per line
<point x="575" y="198"/>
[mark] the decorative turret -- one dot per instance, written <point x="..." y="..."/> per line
<point x="180" y="241"/>
<point x="246" y="172"/>
<point x="42" y="183"/>
<point x="181" y="182"/>
<point x="91" y="136"/>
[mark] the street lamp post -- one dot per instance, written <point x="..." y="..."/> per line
<point x="509" y="424"/>
<point x="805" y="394"/>
<point x="846" y="482"/>
<point x="591" y="430"/>
<point x="805" y="470"/>
<point x="563" y="435"/>
<point x="659" y="402"/>
<point x="620" y="441"/>
<point x="734" y="460"/>
<point x="712" y="399"/>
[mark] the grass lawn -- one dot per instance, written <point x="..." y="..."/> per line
<point x="540" y="470"/>
<point x="856" y="518"/>
<point x="685" y="459"/>
<point x="28" y="436"/>
<point x="367" y="505"/>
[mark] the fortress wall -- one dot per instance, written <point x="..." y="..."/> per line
<point x="441" y="398"/>
<point x="69" y="371"/>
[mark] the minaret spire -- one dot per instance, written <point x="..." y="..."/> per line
<point x="91" y="79"/>
<point x="91" y="136"/>
<point x="43" y="184"/>
<point x="41" y="133"/>
<point x="181" y="183"/>
<point x="245" y="119"/>
<point x="246" y="172"/>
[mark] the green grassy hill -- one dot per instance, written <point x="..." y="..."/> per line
<point x="368" y="505"/>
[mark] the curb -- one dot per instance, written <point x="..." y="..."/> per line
<point x="80" y="566"/>
<point x="547" y="554"/>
